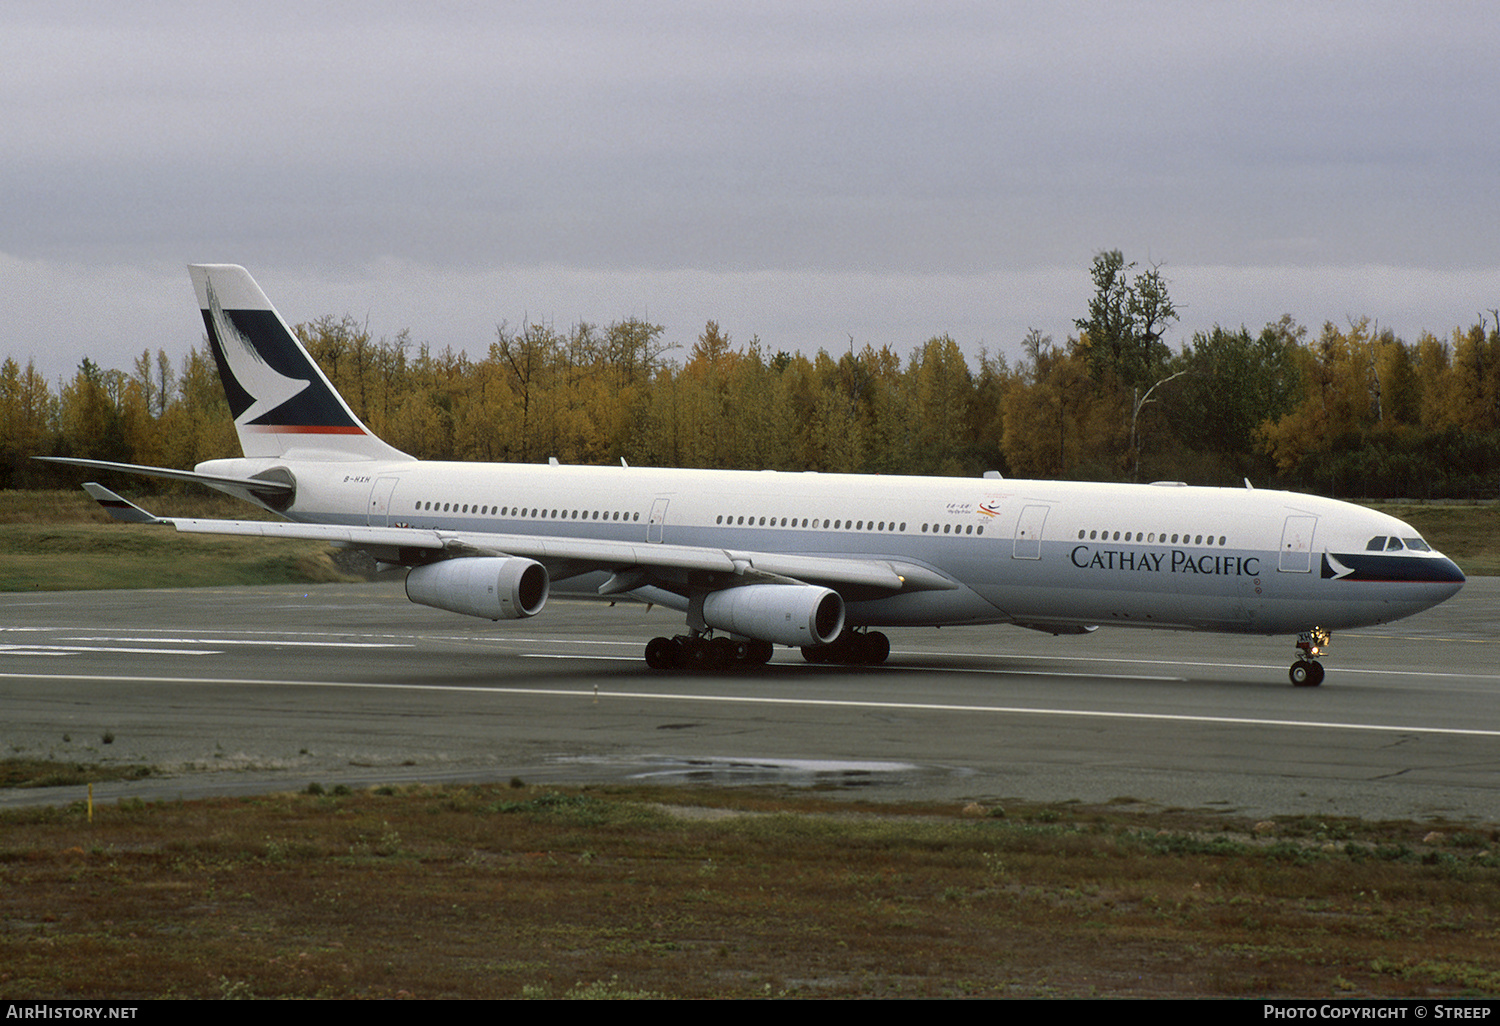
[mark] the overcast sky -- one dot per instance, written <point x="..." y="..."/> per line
<point x="804" y="172"/>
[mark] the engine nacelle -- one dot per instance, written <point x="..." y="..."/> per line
<point x="787" y="614"/>
<point x="492" y="587"/>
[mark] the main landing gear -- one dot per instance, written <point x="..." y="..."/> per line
<point x="699" y="652"/>
<point x="705" y="654"/>
<point x="1307" y="672"/>
<point x="851" y="648"/>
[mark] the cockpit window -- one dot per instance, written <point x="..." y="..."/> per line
<point x="1394" y="544"/>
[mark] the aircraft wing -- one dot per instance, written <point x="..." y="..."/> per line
<point x="564" y="557"/>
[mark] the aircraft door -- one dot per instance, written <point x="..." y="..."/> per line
<point x="380" y="501"/>
<point x="657" y="520"/>
<point x="1296" y="544"/>
<point x="1028" y="544"/>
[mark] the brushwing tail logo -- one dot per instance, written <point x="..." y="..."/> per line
<point x="1333" y="569"/>
<point x="267" y="386"/>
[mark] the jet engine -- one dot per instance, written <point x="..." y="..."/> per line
<point x="787" y="614"/>
<point x="492" y="587"/>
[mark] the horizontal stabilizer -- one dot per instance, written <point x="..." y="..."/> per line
<point x="256" y="484"/>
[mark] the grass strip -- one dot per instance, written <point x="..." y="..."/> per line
<point x="495" y="891"/>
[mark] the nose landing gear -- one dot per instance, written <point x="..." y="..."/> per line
<point x="1307" y="672"/>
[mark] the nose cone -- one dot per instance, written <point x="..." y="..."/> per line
<point x="1455" y="574"/>
<point x="1447" y="578"/>
<point x="1442" y="573"/>
<point x="1437" y="580"/>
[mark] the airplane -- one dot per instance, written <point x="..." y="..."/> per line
<point x="756" y="559"/>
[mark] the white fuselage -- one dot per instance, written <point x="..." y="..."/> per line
<point x="1045" y="554"/>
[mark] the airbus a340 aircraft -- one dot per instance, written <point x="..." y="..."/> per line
<point x="757" y="559"/>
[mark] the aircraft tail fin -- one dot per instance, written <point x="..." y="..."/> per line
<point x="281" y="401"/>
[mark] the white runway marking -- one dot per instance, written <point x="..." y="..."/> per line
<point x="252" y="641"/>
<point x="74" y="649"/>
<point x="830" y="703"/>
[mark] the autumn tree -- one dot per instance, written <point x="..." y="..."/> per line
<point x="1122" y="334"/>
<point x="28" y="412"/>
<point x="1235" y="382"/>
<point x="1043" y="408"/>
<point x="90" y="421"/>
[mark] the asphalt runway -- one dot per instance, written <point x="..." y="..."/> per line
<point x="256" y="689"/>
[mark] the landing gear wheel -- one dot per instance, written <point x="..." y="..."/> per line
<point x="721" y="653"/>
<point x="697" y="654"/>
<point x="874" y="648"/>
<point x="661" y="654"/>
<point x="851" y="649"/>
<point x="1306" y="673"/>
